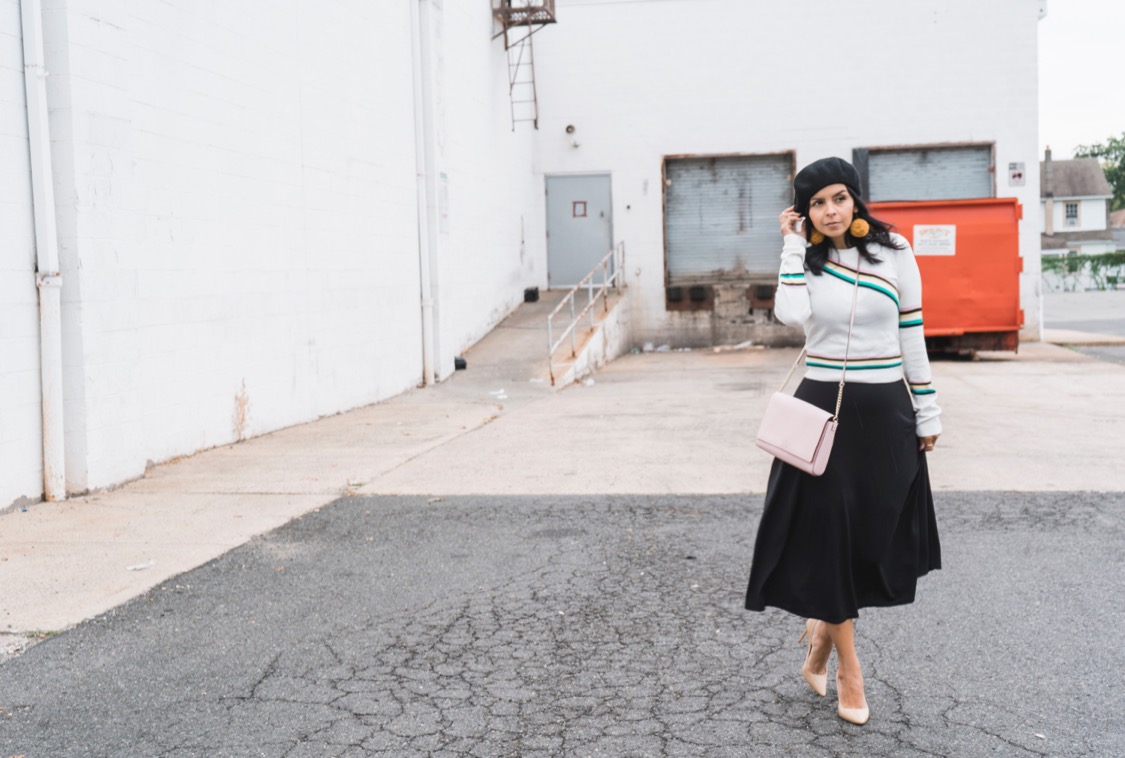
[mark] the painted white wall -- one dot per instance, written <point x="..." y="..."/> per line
<point x="21" y="443"/>
<point x="237" y="210"/>
<point x="640" y="81"/>
<point x="484" y="264"/>
<point x="238" y="225"/>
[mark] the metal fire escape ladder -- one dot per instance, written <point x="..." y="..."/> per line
<point x="519" y="21"/>
<point x="521" y="79"/>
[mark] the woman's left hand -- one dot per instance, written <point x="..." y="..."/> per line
<point x="927" y="443"/>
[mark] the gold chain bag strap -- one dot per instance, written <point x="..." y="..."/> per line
<point x="797" y="432"/>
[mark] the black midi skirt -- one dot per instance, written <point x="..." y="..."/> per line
<point x="862" y="533"/>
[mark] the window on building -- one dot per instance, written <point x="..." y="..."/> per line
<point x="1072" y="214"/>
<point x="925" y="173"/>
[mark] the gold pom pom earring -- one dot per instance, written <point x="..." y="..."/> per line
<point x="816" y="237"/>
<point x="860" y="228"/>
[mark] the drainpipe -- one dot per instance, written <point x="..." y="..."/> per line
<point x="47" y="277"/>
<point x="425" y="180"/>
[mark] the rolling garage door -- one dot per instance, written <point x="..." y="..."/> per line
<point x="720" y="216"/>
<point x="945" y="173"/>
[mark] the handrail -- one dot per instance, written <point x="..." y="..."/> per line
<point x="617" y="254"/>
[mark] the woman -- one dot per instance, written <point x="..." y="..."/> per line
<point x="862" y="533"/>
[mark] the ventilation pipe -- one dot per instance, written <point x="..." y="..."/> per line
<point x="47" y="277"/>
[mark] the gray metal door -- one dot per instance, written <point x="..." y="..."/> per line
<point x="579" y="227"/>
<point x="720" y="216"/>
<point x="941" y="173"/>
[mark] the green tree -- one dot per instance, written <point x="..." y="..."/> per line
<point x="1111" y="154"/>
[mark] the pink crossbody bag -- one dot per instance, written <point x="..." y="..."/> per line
<point x="800" y="433"/>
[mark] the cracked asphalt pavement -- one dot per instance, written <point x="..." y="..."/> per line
<point x="585" y="626"/>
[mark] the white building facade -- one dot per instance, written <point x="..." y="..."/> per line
<point x="246" y="196"/>
<point x="661" y="93"/>
<point x="272" y="211"/>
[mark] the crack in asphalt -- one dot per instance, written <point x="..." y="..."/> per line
<point x="588" y="627"/>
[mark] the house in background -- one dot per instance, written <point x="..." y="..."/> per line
<point x="1074" y="210"/>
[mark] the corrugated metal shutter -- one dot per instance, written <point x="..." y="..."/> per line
<point x="945" y="173"/>
<point x="721" y="216"/>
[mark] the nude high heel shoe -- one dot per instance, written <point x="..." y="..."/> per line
<point x="819" y="682"/>
<point x="856" y="716"/>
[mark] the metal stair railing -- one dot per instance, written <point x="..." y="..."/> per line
<point x="614" y="258"/>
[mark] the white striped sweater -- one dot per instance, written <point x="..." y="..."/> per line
<point x="887" y="341"/>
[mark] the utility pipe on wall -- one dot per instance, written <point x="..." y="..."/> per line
<point x="47" y="278"/>
<point x="426" y="182"/>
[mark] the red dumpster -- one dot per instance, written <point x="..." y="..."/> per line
<point x="969" y="255"/>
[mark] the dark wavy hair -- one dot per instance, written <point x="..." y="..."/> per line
<point x="817" y="255"/>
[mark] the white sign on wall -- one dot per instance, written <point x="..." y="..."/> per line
<point x="1016" y="175"/>
<point x="935" y="239"/>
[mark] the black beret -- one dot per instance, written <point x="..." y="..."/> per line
<point x="818" y="175"/>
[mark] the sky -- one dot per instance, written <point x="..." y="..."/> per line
<point x="1081" y="60"/>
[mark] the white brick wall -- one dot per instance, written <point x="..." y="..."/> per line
<point x="21" y="457"/>
<point x="483" y="267"/>
<point x="644" y="80"/>
<point x="242" y="208"/>
<point x="238" y="227"/>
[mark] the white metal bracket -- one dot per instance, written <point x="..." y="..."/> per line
<point x="48" y="280"/>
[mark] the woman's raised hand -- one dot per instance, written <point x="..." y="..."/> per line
<point x="789" y="219"/>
